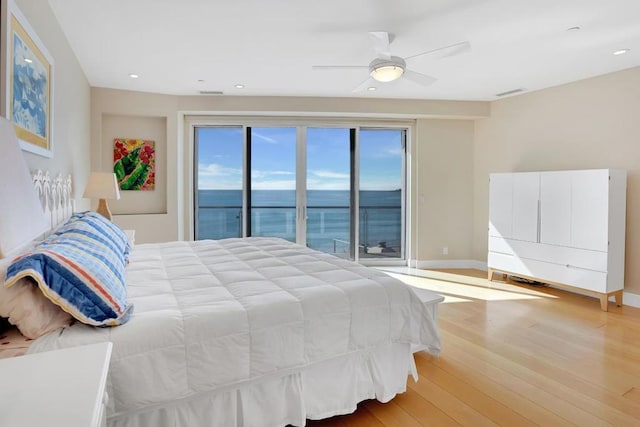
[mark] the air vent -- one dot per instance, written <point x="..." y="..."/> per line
<point x="510" y="92"/>
<point x="210" y="92"/>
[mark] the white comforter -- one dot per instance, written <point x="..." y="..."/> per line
<point x="215" y="314"/>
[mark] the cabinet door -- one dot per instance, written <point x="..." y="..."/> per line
<point x="500" y="204"/>
<point x="526" y="191"/>
<point x="590" y="207"/>
<point x="555" y="208"/>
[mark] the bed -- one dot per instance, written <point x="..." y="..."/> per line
<point x="252" y="332"/>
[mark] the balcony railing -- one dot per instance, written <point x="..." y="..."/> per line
<point x="328" y="227"/>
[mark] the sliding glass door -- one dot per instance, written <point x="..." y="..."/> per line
<point x="381" y="193"/>
<point x="340" y="190"/>
<point x="328" y="190"/>
<point x="272" y="183"/>
<point x="219" y="182"/>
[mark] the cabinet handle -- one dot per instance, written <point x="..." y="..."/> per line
<point x="539" y="222"/>
<point x="576" y="267"/>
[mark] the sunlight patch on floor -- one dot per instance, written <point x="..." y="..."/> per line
<point x="462" y="288"/>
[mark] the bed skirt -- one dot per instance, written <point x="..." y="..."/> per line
<point x="322" y="390"/>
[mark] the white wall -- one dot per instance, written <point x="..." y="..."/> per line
<point x="139" y="109"/>
<point x="443" y="173"/>
<point x="593" y="123"/>
<point x="71" y="102"/>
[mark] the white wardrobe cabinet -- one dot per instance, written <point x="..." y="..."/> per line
<point x="513" y="201"/>
<point x="565" y="228"/>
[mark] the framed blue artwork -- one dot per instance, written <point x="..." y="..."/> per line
<point x="29" y="83"/>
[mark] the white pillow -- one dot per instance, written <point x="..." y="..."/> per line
<point x="27" y="308"/>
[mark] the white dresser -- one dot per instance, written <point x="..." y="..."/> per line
<point x="565" y="228"/>
<point x="61" y="388"/>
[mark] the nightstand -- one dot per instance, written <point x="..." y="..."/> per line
<point x="60" y="388"/>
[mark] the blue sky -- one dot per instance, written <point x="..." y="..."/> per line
<point x="273" y="158"/>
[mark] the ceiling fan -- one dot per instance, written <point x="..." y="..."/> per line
<point x="387" y="68"/>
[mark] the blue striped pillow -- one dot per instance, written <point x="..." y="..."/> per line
<point x="81" y="269"/>
<point x="94" y="226"/>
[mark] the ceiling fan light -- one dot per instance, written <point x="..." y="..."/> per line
<point x="387" y="73"/>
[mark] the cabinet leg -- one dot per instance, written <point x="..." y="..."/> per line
<point x="618" y="296"/>
<point x="490" y="274"/>
<point x="604" y="302"/>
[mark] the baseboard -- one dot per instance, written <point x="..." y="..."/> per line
<point x="630" y="299"/>
<point x="449" y="263"/>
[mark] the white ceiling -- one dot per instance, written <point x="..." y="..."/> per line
<point x="269" y="46"/>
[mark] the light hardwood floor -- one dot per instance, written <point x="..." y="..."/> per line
<point x="517" y="355"/>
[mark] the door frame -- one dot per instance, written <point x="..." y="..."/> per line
<point x="302" y="122"/>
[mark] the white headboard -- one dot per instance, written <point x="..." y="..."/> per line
<point x="55" y="195"/>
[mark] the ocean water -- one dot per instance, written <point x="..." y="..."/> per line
<point x="273" y="213"/>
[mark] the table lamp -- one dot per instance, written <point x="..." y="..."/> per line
<point x="102" y="186"/>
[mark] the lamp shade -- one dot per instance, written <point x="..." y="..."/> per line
<point x="22" y="218"/>
<point x="102" y="185"/>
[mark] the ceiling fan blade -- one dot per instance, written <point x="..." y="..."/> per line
<point x="380" y="41"/>
<point x="421" y="79"/>
<point x="339" y="67"/>
<point x="444" y="52"/>
<point x="364" y="85"/>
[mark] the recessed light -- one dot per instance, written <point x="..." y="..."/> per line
<point x="372" y="88"/>
<point x="576" y="28"/>
<point x="28" y="60"/>
<point x="621" y="51"/>
<point x="133" y="76"/>
<point x="239" y="86"/>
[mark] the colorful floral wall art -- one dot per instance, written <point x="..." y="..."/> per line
<point x="134" y="163"/>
